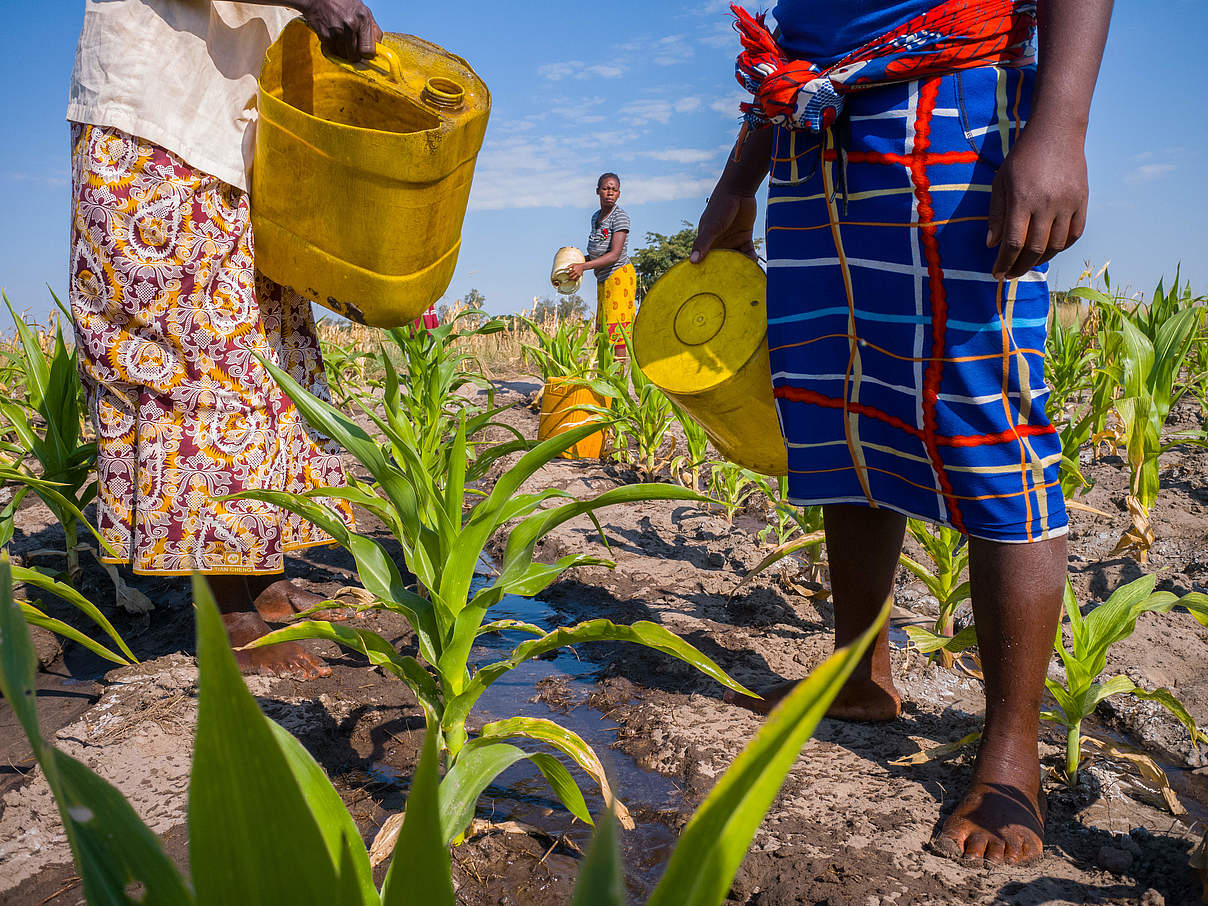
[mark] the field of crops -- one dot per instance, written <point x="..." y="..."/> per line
<point x="537" y="647"/>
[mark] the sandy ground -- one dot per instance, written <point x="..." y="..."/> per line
<point x="849" y="827"/>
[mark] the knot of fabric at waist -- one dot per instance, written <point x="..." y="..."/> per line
<point x="951" y="36"/>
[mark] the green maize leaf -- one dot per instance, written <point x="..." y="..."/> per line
<point x="59" y="504"/>
<point x="567" y="742"/>
<point x="486" y="515"/>
<point x="357" y="493"/>
<point x="335" y="823"/>
<point x="482" y="760"/>
<point x="563" y="785"/>
<point x="523" y="539"/>
<point x="928" y="642"/>
<point x="375" y="567"/>
<point x="601" y="880"/>
<point x="35" y="617"/>
<point x="1197" y="605"/>
<point x="508" y="625"/>
<point x="114" y="850"/>
<point x="1068" y="705"/>
<point x="1177" y="709"/>
<point x="933" y="582"/>
<point x="37" y="371"/>
<point x="455" y="478"/>
<point x="643" y="633"/>
<point x="713" y="844"/>
<point x="1089" y="699"/>
<point x="243" y="798"/>
<point x="784" y="550"/>
<point x="1112" y="621"/>
<point x="327" y="419"/>
<point x="61" y="590"/>
<point x="540" y="576"/>
<point x="962" y="592"/>
<point x="376" y="649"/>
<point x="420" y="872"/>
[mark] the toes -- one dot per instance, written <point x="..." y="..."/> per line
<point x="995" y="851"/>
<point x="977" y="843"/>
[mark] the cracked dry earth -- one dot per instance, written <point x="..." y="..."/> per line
<point x="849" y="826"/>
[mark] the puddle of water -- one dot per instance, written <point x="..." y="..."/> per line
<point x="522" y="793"/>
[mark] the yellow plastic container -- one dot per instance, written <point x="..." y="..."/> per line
<point x="559" y="415"/>
<point x="701" y="335"/>
<point x="363" y="173"/>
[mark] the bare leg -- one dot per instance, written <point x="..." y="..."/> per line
<point x="1017" y="590"/>
<point x="862" y="547"/>
<point x="243" y="625"/>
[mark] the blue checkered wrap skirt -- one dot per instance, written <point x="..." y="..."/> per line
<point x="906" y="376"/>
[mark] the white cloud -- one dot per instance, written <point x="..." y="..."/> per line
<point x="728" y="104"/>
<point x="577" y="69"/>
<point x="1147" y="172"/>
<point x="686" y="155"/>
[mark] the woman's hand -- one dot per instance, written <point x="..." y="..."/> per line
<point x="345" y="28"/>
<point x="728" y="222"/>
<point x="1038" y="202"/>
<point x="576" y="270"/>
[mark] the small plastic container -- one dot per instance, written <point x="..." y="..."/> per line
<point x="560" y="275"/>
<point x="701" y="335"/>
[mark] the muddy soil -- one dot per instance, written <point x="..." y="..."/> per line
<point x="851" y="826"/>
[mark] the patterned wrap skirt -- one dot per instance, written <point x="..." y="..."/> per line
<point x="169" y="316"/>
<point x="615" y="298"/>
<point x="905" y="375"/>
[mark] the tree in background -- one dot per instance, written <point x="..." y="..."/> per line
<point x="564" y="308"/>
<point x="659" y="254"/>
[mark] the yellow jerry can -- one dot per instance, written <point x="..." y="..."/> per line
<point x="362" y="173"/>
<point x="701" y="335"/>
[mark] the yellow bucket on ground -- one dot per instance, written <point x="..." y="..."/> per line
<point x="362" y="173"/>
<point x="560" y="274"/>
<point x="701" y="335"/>
<point x="559" y="414"/>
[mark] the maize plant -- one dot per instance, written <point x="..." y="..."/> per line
<point x="948" y="551"/>
<point x="1085" y="659"/>
<point x="731" y="486"/>
<point x="1147" y="373"/>
<point x="640" y="413"/>
<point x="687" y="466"/>
<point x="44" y="581"/>
<point x="443" y="528"/>
<point x="564" y="352"/>
<point x="238" y="817"/>
<point x="47" y="428"/>
<point x="427" y="406"/>
<point x="793" y="530"/>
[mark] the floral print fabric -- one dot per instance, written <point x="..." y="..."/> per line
<point x="169" y="318"/>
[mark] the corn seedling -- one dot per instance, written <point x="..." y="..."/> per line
<point x="948" y="553"/>
<point x="47" y="427"/>
<point x="1085" y="659"/>
<point x="1147" y="372"/>
<point x="443" y="529"/>
<point x="565" y="351"/>
<point x="688" y="465"/>
<point x="238" y="817"/>
<point x="640" y="413"/>
<point x="731" y="486"/>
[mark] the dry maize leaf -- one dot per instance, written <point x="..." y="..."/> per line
<point x="935" y="753"/>
<point x="383" y="842"/>
<point x="129" y="599"/>
<point x="1139" y="537"/>
<point x="1146" y="768"/>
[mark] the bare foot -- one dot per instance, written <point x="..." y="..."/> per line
<point x="1001" y="818"/>
<point x="282" y="659"/>
<point x="283" y="600"/>
<point x="863" y="700"/>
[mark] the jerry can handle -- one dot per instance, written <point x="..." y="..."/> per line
<point x="384" y="60"/>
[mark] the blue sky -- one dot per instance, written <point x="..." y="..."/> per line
<point x="646" y="89"/>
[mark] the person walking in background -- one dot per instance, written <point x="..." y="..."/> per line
<point x="923" y="169"/>
<point x="616" y="279"/>
<point x="170" y="314"/>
